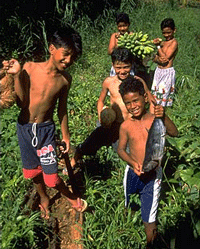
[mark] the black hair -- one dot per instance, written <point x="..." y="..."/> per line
<point x="67" y="37"/>
<point x="121" y="54"/>
<point x="167" y="22"/>
<point x="131" y="85"/>
<point x="122" y="17"/>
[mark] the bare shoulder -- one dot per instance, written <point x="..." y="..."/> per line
<point x="107" y="81"/>
<point x="67" y="77"/>
<point x="127" y="124"/>
<point x="114" y="35"/>
<point x="29" y="66"/>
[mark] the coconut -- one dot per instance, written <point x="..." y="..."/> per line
<point x="107" y="116"/>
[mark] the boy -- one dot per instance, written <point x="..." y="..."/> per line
<point x="134" y="133"/>
<point x="122" y="60"/>
<point x="123" y="23"/>
<point x="38" y="86"/>
<point x="163" y="86"/>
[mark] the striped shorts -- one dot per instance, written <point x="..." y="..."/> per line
<point x="148" y="190"/>
<point x="163" y="86"/>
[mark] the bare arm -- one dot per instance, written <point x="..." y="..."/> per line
<point x="121" y="150"/>
<point x="164" y="55"/>
<point x="148" y="92"/>
<point x="170" y="126"/>
<point x="103" y="94"/>
<point x="63" y="117"/>
<point x="112" y="43"/>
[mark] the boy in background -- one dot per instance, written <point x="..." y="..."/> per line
<point x="38" y="86"/>
<point x="163" y="86"/>
<point x="123" y="23"/>
<point x="122" y="60"/>
<point x="134" y="133"/>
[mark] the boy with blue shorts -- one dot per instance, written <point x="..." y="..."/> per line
<point x="38" y="86"/>
<point x="134" y="134"/>
<point x="122" y="60"/>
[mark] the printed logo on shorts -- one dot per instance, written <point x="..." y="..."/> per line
<point x="47" y="155"/>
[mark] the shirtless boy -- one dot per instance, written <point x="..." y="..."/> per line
<point x="134" y="133"/>
<point x="123" y="23"/>
<point x="122" y="62"/>
<point x="163" y="86"/>
<point x="38" y="87"/>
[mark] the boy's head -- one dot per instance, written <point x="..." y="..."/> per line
<point x="65" y="47"/>
<point x="122" y="60"/>
<point x="133" y="95"/>
<point x="67" y="38"/>
<point x="167" y="23"/>
<point x="168" y="28"/>
<point x="123" y="23"/>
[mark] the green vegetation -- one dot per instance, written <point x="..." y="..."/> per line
<point x="108" y="225"/>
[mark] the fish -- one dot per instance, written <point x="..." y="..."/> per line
<point x="154" y="146"/>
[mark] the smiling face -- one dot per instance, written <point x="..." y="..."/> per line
<point x="122" y="69"/>
<point x="135" y="103"/>
<point x="122" y="27"/>
<point x="62" y="57"/>
<point x="168" y="33"/>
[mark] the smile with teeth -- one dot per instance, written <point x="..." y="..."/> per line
<point x="135" y="111"/>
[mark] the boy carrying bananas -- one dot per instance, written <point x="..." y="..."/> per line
<point x="164" y="77"/>
<point x="123" y="23"/>
<point x="122" y="60"/>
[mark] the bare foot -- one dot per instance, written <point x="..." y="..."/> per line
<point x="44" y="208"/>
<point x="79" y="204"/>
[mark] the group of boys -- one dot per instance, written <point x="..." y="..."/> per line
<point x="38" y="86"/>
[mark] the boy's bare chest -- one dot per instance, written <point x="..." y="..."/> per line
<point x="45" y="85"/>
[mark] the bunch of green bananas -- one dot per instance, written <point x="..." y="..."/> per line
<point x="137" y="43"/>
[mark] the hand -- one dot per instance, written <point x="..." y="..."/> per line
<point x="138" y="169"/>
<point x="159" y="111"/>
<point x="157" y="41"/>
<point x="163" y="59"/>
<point x="65" y="146"/>
<point x="12" y="66"/>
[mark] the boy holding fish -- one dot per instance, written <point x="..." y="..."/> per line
<point x="122" y="60"/>
<point x="134" y="133"/>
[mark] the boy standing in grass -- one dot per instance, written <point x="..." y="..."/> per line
<point x="122" y="60"/>
<point x="38" y="86"/>
<point x="163" y="86"/>
<point x="134" y="133"/>
<point x="123" y="23"/>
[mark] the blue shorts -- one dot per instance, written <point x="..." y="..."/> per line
<point x="147" y="188"/>
<point x="37" y="146"/>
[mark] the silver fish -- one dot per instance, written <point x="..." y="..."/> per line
<point x="154" y="146"/>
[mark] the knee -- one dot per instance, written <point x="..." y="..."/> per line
<point x="52" y="180"/>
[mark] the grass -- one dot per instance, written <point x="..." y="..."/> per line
<point x="109" y="225"/>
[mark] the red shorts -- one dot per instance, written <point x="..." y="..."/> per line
<point x="51" y="180"/>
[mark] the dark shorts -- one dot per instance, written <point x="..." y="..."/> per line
<point x="37" y="146"/>
<point x="147" y="188"/>
<point x="100" y="137"/>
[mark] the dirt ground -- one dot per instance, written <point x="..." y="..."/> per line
<point x="65" y="223"/>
